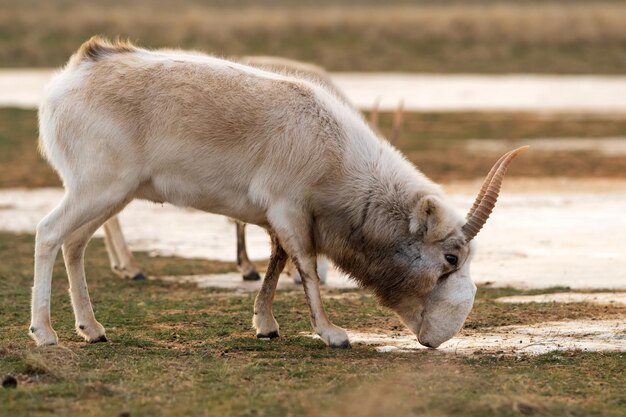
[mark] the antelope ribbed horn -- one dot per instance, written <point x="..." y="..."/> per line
<point x="486" y="182"/>
<point x="488" y="195"/>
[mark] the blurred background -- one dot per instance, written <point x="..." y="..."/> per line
<point x="440" y="36"/>
<point x="564" y="60"/>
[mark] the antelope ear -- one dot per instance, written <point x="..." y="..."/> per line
<point x="427" y="216"/>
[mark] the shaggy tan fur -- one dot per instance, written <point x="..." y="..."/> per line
<point x="264" y="148"/>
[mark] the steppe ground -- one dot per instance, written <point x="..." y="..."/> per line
<point x="178" y="350"/>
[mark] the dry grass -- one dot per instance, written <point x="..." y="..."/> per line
<point x="485" y="36"/>
<point x="176" y="350"/>
<point x="435" y="142"/>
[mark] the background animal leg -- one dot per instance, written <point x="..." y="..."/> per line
<point x="247" y="268"/>
<point x="122" y="260"/>
<point x="322" y="270"/>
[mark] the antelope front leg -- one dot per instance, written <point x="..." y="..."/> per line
<point x="334" y="336"/>
<point x="263" y="320"/>
<point x="51" y="232"/>
<point x="293" y="228"/>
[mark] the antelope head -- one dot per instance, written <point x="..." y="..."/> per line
<point x="440" y="260"/>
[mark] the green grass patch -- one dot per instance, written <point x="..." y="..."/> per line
<point x="179" y="350"/>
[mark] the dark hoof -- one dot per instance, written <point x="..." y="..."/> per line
<point x="101" y="339"/>
<point x="343" y="345"/>
<point x="270" y="335"/>
<point x="139" y="277"/>
<point x="9" y="381"/>
<point x="252" y="276"/>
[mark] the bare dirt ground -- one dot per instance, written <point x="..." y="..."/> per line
<point x="584" y="335"/>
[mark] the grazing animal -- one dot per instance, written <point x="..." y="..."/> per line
<point x="120" y="122"/>
<point x="121" y="258"/>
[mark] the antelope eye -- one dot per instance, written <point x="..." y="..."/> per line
<point x="452" y="259"/>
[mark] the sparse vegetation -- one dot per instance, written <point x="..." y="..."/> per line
<point x="572" y="37"/>
<point x="178" y="350"/>
<point x="433" y="141"/>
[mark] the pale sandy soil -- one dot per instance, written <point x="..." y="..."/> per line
<point x="420" y="92"/>
<point x="568" y="297"/>
<point x="536" y="238"/>
<point x="233" y="281"/>
<point x="585" y="335"/>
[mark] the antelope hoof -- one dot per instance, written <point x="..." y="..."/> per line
<point x="101" y="339"/>
<point x="271" y="335"/>
<point x="343" y="345"/>
<point x="93" y="333"/>
<point x="266" y="326"/>
<point x="43" y="336"/>
<point x="252" y="276"/>
<point x="139" y="277"/>
<point x="335" y="337"/>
